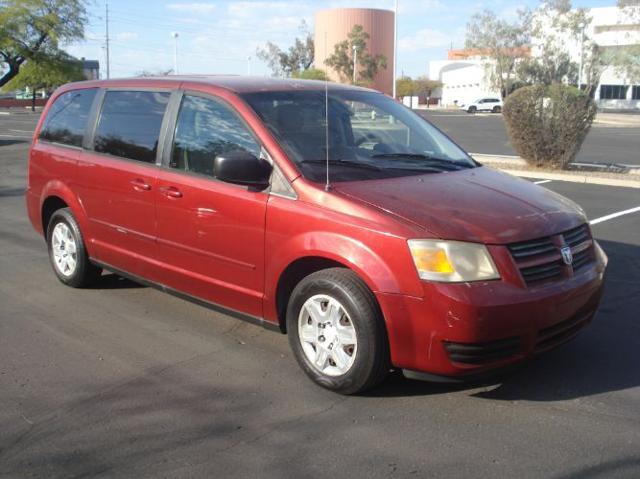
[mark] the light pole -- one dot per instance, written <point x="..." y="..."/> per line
<point x="582" y="27"/>
<point x="355" y="63"/>
<point x="395" y="47"/>
<point x="175" y="52"/>
<point x="248" y="65"/>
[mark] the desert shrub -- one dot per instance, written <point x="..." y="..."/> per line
<point x="547" y="124"/>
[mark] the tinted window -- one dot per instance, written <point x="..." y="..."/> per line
<point x="67" y="117"/>
<point x="207" y="128"/>
<point x="129" y="124"/>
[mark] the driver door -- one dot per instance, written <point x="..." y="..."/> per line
<point x="210" y="233"/>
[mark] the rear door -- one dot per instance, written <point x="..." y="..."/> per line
<point x="210" y="233"/>
<point x="117" y="177"/>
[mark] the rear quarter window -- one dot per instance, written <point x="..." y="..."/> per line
<point x="67" y="118"/>
<point x="129" y="125"/>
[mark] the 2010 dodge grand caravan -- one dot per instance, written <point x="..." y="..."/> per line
<point x="328" y="212"/>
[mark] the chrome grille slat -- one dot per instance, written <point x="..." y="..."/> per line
<point x="538" y="261"/>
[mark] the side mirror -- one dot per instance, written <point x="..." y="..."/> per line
<point x="242" y="168"/>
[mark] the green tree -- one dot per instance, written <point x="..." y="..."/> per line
<point x="405" y="86"/>
<point x="46" y="73"/>
<point x="501" y="44"/>
<point x="32" y="29"/>
<point x="310" y="74"/>
<point x="342" y="58"/>
<point x="551" y="27"/>
<point x="298" y="58"/>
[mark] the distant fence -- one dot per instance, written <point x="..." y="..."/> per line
<point x="13" y="103"/>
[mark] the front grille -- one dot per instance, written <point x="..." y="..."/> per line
<point x="482" y="353"/>
<point x="577" y="235"/>
<point x="540" y="261"/>
<point x="561" y="332"/>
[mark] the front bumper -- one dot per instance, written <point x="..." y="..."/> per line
<point x="467" y="329"/>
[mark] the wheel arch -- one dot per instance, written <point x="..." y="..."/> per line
<point x="295" y="272"/>
<point x="56" y="195"/>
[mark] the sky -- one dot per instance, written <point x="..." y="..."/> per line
<point x="221" y="36"/>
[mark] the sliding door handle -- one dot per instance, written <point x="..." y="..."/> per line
<point x="171" y="192"/>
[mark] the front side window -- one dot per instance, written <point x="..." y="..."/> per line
<point x="369" y="135"/>
<point x="67" y="118"/>
<point x="129" y="124"/>
<point x="205" y="129"/>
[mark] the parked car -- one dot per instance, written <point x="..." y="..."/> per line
<point x="491" y="104"/>
<point x="376" y="244"/>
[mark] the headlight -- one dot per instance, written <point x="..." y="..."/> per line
<point x="452" y="261"/>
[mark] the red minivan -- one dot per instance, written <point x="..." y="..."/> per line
<point x="328" y="212"/>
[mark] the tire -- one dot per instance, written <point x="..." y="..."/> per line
<point x="472" y="109"/>
<point x="356" y="366"/>
<point x="67" y="252"/>
<point x="497" y="109"/>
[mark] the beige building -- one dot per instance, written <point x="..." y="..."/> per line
<point x="335" y="24"/>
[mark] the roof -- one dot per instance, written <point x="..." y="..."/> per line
<point x="234" y="83"/>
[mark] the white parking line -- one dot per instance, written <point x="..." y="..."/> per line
<point x="15" y="136"/>
<point x="542" y="182"/>
<point x="21" y="131"/>
<point x="614" y="215"/>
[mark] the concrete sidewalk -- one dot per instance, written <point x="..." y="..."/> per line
<point x="515" y="165"/>
<point x="620" y="120"/>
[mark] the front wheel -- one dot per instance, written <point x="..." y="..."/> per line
<point x="336" y="331"/>
<point x="472" y="109"/>
<point x="67" y="253"/>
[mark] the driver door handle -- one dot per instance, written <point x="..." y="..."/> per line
<point x="140" y="185"/>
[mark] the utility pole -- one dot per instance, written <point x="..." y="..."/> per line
<point x="582" y="27"/>
<point x="249" y="65"/>
<point x="355" y="63"/>
<point x="175" y="52"/>
<point x="395" y="47"/>
<point x="106" y="37"/>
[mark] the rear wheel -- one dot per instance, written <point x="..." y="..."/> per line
<point x="336" y="331"/>
<point x="497" y="109"/>
<point x="472" y="109"/>
<point x="67" y="252"/>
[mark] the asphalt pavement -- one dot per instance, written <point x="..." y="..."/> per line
<point x="126" y="381"/>
<point x="485" y="133"/>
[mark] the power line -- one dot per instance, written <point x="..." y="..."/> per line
<point x="106" y="41"/>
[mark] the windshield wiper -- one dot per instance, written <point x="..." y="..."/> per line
<point x="347" y="163"/>
<point x="442" y="162"/>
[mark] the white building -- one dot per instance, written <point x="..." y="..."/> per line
<point x="464" y="77"/>
<point x="463" y="81"/>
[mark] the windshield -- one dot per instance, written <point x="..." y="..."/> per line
<point x="370" y="135"/>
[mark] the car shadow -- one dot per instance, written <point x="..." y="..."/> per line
<point x="11" y="192"/>
<point x="12" y="142"/>
<point x="113" y="281"/>
<point x="603" y="358"/>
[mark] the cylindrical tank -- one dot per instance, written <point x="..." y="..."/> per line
<point x="335" y="24"/>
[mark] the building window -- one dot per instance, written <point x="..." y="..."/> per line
<point x="613" y="92"/>
<point x="635" y="92"/>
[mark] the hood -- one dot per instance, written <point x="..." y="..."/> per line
<point x="479" y="205"/>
